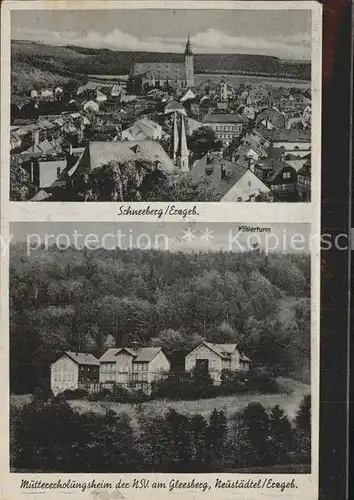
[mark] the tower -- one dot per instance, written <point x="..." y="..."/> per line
<point x="183" y="153"/>
<point x="174" y="138"/>
<point x="189" y="64"/>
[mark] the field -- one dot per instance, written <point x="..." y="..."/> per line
<point x="289" y="400"/>
<point x="254" y="81"/>
<point x="37" y="65"/>
<point x="233" y="80"/>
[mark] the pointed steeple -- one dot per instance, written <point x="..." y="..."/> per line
<point x="183" y="150"/>
<point x="188" y="51"/>
<point x="175" y="137"/>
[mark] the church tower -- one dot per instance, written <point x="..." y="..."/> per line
<point x="189" y="64"/>
<point x="183" y="153"/>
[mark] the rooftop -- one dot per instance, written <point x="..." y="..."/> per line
<point x="223" y="118"/>
<point x="99" y="153"/>
<point x="140" y="355"/>
<point x="82" y="358"/>
<point x="234" y="172"/>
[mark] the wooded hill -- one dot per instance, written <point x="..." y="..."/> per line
<point x="71" y="61"/>
<point x="92" y="300"/>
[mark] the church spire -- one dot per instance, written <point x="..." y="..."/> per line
<point x="188" y="51"/>
<point x="183" y="150"/>
<point x="175" y="137"/>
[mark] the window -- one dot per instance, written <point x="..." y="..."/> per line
<point x="286" y="175"/>
<point x="239" y="198"/>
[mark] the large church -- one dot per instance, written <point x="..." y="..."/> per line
<point x="158" y="74"/>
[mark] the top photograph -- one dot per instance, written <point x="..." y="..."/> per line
<point x="161" y="105"/>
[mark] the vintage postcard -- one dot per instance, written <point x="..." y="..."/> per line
<point x="162" y="105"/>
<point x="157" y="342"/>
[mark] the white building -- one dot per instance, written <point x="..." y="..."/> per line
<point x="216" y="357"/>
<point x="73" y="371"/>
<point x="133" y="367"/>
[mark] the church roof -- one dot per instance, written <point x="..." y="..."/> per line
<point x="162" y="71"/>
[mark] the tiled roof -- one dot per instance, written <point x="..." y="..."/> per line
<point x="110" y="356"/>
<point x="147" y="354"/>
<point x="234" y="172"/>
<point x="284" y="135"/>
<point x="99" y="153"/>
<point x="276" y="165"/>
<point x="162" y="71"/>
<point x="141" y="355"/>
<point x="305" y="170"/>
<point x="224" y="350"/>
<point x="223" y="118"/>
<point x="83" y="358"/>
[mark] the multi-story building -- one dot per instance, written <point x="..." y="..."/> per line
<point x="226" y="126"/>
<point x="131" y="367"/>
<point x="73" y="370"/>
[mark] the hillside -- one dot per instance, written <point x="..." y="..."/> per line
<point x="72" y="61"/>
<point x="64" y="300"/>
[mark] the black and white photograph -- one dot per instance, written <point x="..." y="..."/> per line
<point x="161" y="105"/>
<point x="160" y="347"/>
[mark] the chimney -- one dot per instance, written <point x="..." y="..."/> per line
<point x="135" y="345"/>
<point x="222" y="171"/>
<point x="208" y="160"/>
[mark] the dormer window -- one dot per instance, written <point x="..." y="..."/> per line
<point x="208" y="170"/>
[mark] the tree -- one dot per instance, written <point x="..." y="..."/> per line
<point x="216" y="435"/>
<point x="21" y="187"/>
<point x="198" y="426"/>
<point x="303" y="416"/>
<point x="201" y="141"/>
<point x="255" y="445"/>
<point x="280" y="435"/>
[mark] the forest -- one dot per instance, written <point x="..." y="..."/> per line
<point x="47" y="435"/>
<point x="34" y="63"/>
<point x="94" y="299"/>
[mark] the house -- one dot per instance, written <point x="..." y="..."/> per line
<point x="74" y="370"/>
<point x="91" y="106"/>
<point x="271" y="118"/>
<point x="143" y="129"/>
<point x="100" y="96"/>
<point x="180" y="74"/>
<point x="228" y="181"/>
<point x="304" y="181"/>
<point x="140" y="82"/>
<point x="226" y="126"/>
<point x="216" y="357"/>
<point x="44" y="161"/>
<point x="189" y="95"/>
<point x="133" y="367"/>
<point x="99" y="153"/>
<point x="292" y="140"/>
<point x="225" y="91"/>
<point x="279" y="176"/>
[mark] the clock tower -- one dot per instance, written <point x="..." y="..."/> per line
<point x="189" y="64"/>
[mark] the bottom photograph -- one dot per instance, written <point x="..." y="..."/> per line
<point x="160" y="347"/>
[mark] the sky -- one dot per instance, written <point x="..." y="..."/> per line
<point x="281" y="33"/>
<point x="172" y="236"/>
